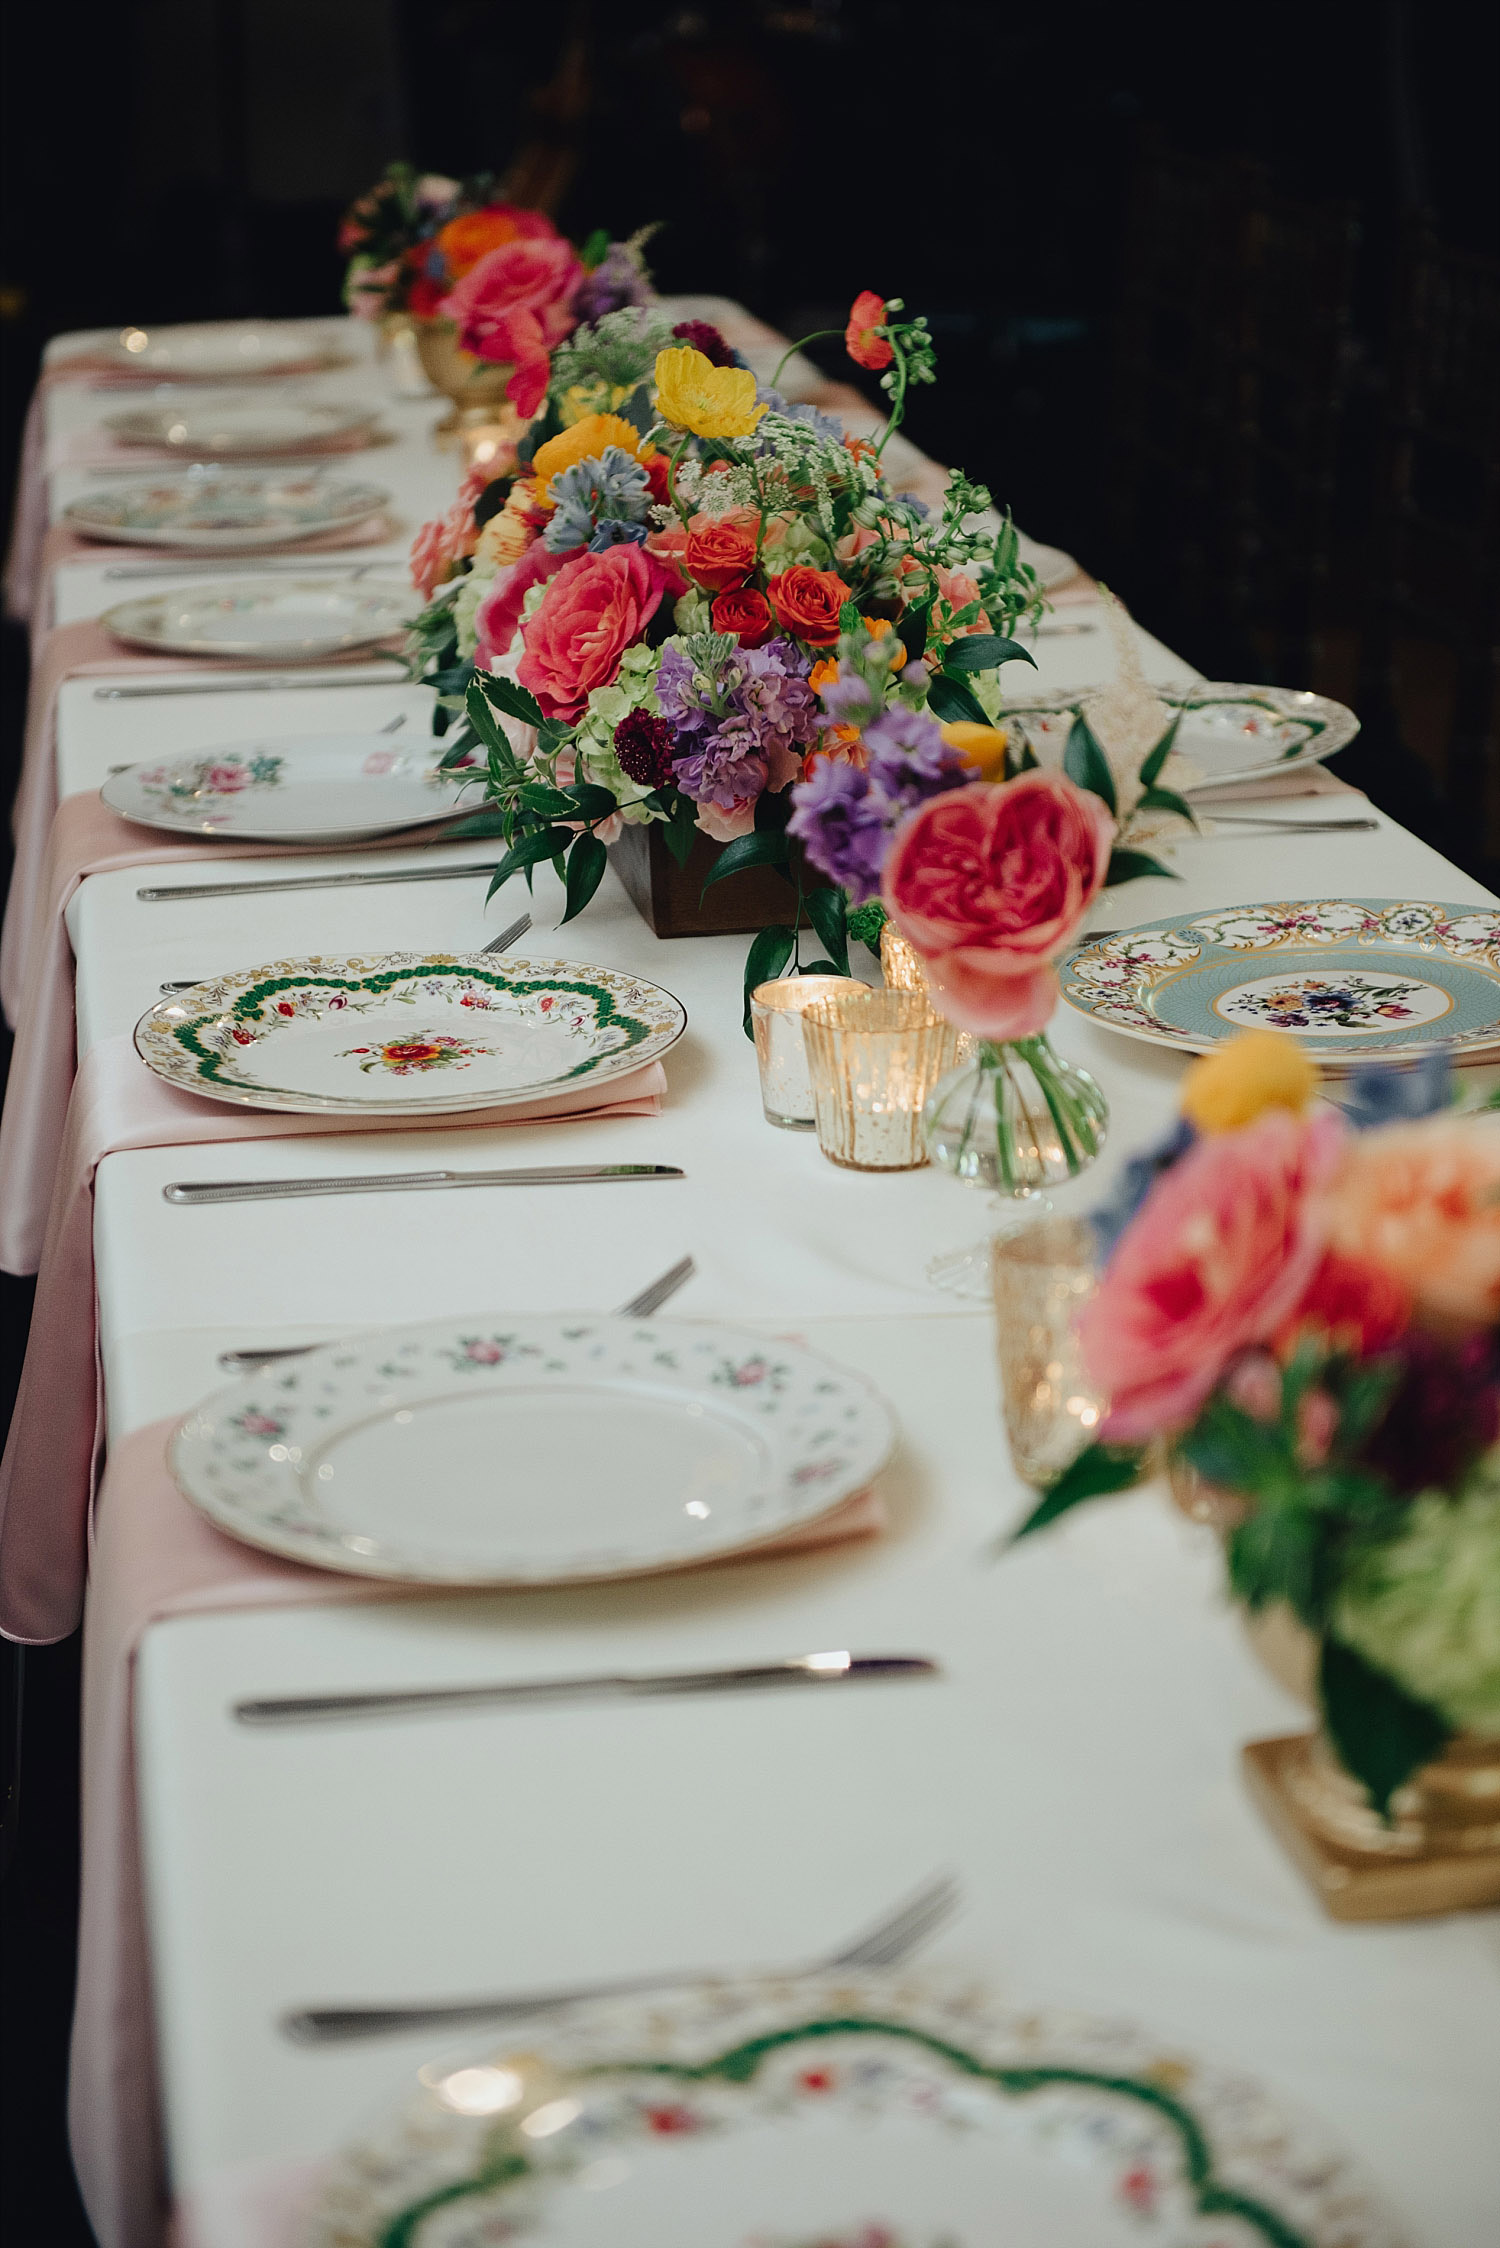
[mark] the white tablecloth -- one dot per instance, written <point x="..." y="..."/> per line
<point x="1077" y="1765"/>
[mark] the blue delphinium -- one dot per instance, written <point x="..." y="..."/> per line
<point x="611" y="487"/>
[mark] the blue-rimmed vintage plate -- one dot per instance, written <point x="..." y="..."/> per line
<point x="1346" y="976"/>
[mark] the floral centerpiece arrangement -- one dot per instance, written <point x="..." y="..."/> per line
<point x="688" y="605"/>
<point x="1302" y="1306"/>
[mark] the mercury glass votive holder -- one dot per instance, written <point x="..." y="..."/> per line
<point x="900" y="962"/>
<point x="776" y="1012"/>
<point x="1043" y="1276"/>
<point x="874" y="1056"/>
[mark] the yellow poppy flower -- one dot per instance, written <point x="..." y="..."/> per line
<point x="710" y="401"/>
<point x="1260" y="1069"/>
<point x="983" y="746"/>
<point x="585" y="441"/>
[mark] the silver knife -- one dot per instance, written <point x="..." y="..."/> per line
<point x="401" y="678"/>
<point x="832" y="1669"/>
<point x="392" y="1182"/>
<point x="311" y="882"/>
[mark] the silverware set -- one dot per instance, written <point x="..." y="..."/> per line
<point x="891" y="1940"/>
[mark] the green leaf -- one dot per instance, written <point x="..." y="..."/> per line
<point x="458" y="749"/>
<point x="489" y="822"/>
<point x="596" y="248"/>
<point x="588" y="801"/>
<point x="821" y="968"/>
<point x="484" y="722"/>
<point x="949" y="698"/>
<point x="1382" y="1734"/>
<point x="681" y="831"/>
<point x="866" y="922"/>
<point x="1096" y="1472"/>
<point x="1155" y="799"/>
<point x="506" y="695"/>
<point x="827" y="910"/>
<point x="746" y="851"/>
<point x="638" y="410"/>
<point x="913" y="631"/>
<point x="586" y="863"/>
<point x="548" y="803"/>
<point x="850" y="619"/>
<point x="1158" y="756"/>
<point x="768" y="955"/>
<point x="1085" y="763"/>
<point x="982" y="651"/>
<point x="541" y="843"/>
<point x="1130" y="866"/>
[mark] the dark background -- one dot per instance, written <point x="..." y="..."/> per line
<point x="1216" y="305"/>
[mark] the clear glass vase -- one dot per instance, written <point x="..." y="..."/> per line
<point x="1017" y="1119"/>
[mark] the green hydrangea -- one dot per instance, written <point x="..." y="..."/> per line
<point x="471" y="591"/>
<point x="634" y="688"/>
<point x="1426" y="1607"/>
<point x="693" y="612"/>
<point x="797" y="544"/>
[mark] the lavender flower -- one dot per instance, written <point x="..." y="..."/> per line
<point x="910" y="761"/>
<point x="842" y="827"/>
<point x="617" y="280"/>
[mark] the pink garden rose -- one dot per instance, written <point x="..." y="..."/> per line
<point x="596" y="607"/>
<point x="989" y="883"/>
<point x="1213" y="1263"/>
<point x="516" y="303"/>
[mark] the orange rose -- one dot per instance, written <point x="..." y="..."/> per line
<point x="807" y="603"/>
<point x="471" y="236"/>
<point x="720" y="549"/>
<point x="1423" y="1202"/>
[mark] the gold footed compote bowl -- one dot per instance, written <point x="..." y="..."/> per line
<point x="475" y="386"/>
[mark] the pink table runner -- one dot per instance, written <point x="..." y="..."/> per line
<point x="86" y="838"/>
<point x="47" y="1475"/>
<point x="154" y="1555"/>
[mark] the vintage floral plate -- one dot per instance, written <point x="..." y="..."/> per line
<point x="238" y="426"/>
<point x="220" y="350"/>
<point x="295" y="620"/>
<point x="221" y="511"/>
<point x="296" y="788"/>
<point x="531" y="1450"/>
<point x="1347" y="976"/>
<point x="402" y="1033"/>
<point x="1227" y="733"/>
<point x="857" y="2111"/>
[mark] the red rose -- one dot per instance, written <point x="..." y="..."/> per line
<point x="989" y="882"/>
<point x="864" y="347"/>
<point x="720" y="549"/>
<point x="807" y="603"/>
<point x="596" y="607"/>
<point x="746" y="612"/>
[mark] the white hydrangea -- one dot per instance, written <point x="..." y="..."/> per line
<point x="471" y="591"/>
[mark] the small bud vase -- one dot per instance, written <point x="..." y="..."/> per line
<point x="1016" y="1118"/>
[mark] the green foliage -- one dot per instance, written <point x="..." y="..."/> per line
<point x="1156" y="799"/>
<point x="1086" y="765"/>
<point x="1099" y="1470"/>
<point x="982" y="651"/>
<point x="1158" y="756"/>
<point x="948" y="697"/>
<point x="1131" y="866"/>
<point x="1382" y="1734"/>
<point x="828" y="911"/>
<point x="586" y="863"/>
<point x="759" y="849"/>
<point x="681" y="830"/>
<point x="768" y="955"/>
<point x="865" y="922"/>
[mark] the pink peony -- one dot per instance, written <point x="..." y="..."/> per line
<point x="596" y="607"/>
<point x="515" y="304"/>
<point x="1220" y="1253"/>
<point x="989" y="883"/>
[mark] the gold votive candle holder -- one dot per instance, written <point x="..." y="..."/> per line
<point x="776" y="1012"/>
<point x="874" y="1056"/>
<point x="1043" y="1276"/>
<point x="900" y="962"/>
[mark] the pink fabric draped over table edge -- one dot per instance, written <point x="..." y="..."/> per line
<point x="70" y="652"/>
<point x="86" y="838"/>
<point x="47" y="1474"/>
<point x="154" y="1556"/>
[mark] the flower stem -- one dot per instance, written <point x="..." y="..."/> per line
<point x="819" y="335"/>
<point x="683" y="515"/>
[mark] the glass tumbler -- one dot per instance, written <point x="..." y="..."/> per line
<point x="874" y="1057"/>
<point x="1043" y="1276"/>
<point x="776" y="1011"/>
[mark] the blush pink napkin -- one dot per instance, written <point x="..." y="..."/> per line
<point x="86" y="838"/>
<point x="47" y="1474"/>
<point x="153" y="1556"/>
<point x="70" y="652"/>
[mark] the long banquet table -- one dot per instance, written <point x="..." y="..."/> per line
<point x="1076" y="1765"/>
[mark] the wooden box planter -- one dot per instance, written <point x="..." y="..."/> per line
<point x="671" y="897"/>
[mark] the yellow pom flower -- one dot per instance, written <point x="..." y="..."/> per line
<point x="983" y="746"/>
<point x="585" y="441"/>
<point x="1260" y="1069"/>
<point x="710" y="401"/>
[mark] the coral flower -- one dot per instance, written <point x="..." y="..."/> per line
<point x="864" y="347"/>
<point x="1423" y="1200"/>
<point x="711" y="401"/>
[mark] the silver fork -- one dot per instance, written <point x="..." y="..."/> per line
<point x="506" y="938"/>
<point x="892" y="1939"/>
<point x="650" y="1299"/>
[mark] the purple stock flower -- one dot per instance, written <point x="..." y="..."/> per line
<point x="774" y="694"/>
<point x="617" y="280"/>
<point x="910" y="761"/>
<point x="843" y="828"/>
<point x="848" y="699"/>
<point x="727" y="768"/>
<point x="681" y="698"/>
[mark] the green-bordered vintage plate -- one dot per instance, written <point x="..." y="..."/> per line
<point x="1345" y="976"/>
<point x="849" y="2111"/>
<point x="402" y="1033"/>
<point x="1228" y="732"/>
<point x="531" y="1449"/>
